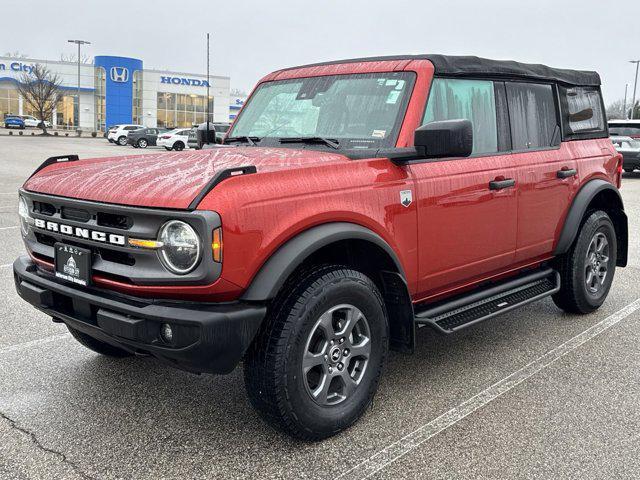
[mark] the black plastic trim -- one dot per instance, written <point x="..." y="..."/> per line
<point x="576" y="213"/>
<point x="217" y="334"/>
<point x="52" y="160"/>
<point x="272" y="275"/>
<point x="217" y="178"/>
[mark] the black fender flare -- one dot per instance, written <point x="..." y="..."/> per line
<point x="274" y="272"/>
<point x="579" y="207"/>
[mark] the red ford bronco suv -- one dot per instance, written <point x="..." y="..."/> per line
<point x="356" y="201"/>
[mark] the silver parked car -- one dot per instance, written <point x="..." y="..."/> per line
<point x="630" y="150"/>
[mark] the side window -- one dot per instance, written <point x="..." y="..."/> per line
<point x="582" y="110"/>
<point x="474" y="100"/>
<point x="532" y="110"/>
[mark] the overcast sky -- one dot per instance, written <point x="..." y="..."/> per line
<point x="254" y="37"/>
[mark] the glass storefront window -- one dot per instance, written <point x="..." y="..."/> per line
<point x="137" y="112"/>
<point x="100" y="86"/>
<point x="182" y="110"/>
<point x="8" y="100"/>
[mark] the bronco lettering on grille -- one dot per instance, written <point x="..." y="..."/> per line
<point x="79" y="232"/>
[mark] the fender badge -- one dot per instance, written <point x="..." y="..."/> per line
<point x="406" y="197"/>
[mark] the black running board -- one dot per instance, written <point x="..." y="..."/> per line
<point x="474" y="307"/>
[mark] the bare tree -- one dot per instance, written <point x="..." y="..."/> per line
<point x="71" y="57"/>
<point x="41" y="91"/>
<point x="16" y="54"/>
<point x="615" y="110"/>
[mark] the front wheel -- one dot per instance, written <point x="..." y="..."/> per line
<point x="315" y="365"/>
<point x="587" y="269"/>
<point x="178" y="146"/>
<point x="142" y="143"/>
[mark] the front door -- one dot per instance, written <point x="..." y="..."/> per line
<point x="467" y="208"/>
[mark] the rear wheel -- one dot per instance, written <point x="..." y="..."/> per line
<point x="122" y="141"/>
<point x="628" y="170"/>
<point x="142" y="143"/>
<point x="316" y="363"/>
<point x="587" y="269"/>
<point x="98" y="346"/>
<point x="178" y="146"/>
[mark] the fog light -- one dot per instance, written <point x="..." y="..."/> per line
<point x="166" y="333"/>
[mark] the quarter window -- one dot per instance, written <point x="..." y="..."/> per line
<point x="582" y="110"/>
<point x="474" y="100"/>
<point x="532" y="110"/>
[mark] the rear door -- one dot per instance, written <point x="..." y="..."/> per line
<point x="466" y="229"/>
<point x="547" y="172"/>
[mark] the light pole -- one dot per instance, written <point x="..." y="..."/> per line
<point x="624" y="105"/>
<point x="635" y="87"/>
<point x="208" y="100"/>
<point x="79" y="43"/>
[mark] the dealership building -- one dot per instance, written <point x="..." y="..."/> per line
<point x="117" y="90"/>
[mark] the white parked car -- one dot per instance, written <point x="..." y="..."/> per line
<point x="118" y="134"/>
<point x="31" y="121"/>
<point x="175" y="139"/>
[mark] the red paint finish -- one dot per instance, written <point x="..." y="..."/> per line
<point x="167" y="180"/>
<point x="456" y="233"/>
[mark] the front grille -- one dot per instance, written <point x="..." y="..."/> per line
<point x="74" y="222"/>
<point x="44" y="208"/>
<point x="77" y="214"/>
<point x="114" y="220"/>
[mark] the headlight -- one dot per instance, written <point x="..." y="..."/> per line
<point x="181" y="250"/>
<point x="25" y="218"/>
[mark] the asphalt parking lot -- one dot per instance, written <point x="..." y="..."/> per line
<point x="532" y="394"/>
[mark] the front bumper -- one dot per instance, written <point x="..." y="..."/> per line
<point x="208" y="338"/>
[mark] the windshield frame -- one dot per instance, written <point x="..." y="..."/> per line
<point x="390" y="141"/>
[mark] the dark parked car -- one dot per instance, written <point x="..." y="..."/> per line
<point x="144" y="137"/>
<point x="13" y="121"/>
<point x="630" y="150"/>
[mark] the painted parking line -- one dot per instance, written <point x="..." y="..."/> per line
<point x="6" y="265"/>
<point x="9" y="228"/>
<point x="406" y="444"/>
<point x="33" y="343"/>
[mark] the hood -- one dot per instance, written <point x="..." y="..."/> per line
<point x="166" y="180"/>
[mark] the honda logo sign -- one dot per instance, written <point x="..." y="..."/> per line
<point x="119" y="74"/>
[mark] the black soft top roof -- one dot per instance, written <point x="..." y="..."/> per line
<point x="470" y="66"/>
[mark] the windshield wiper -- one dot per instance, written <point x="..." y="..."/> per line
<point x="243" y="138"/>
<point x="330" y="142"/>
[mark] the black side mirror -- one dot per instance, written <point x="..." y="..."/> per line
<point x="446" y="138"/>
<point x="201" y="134"/>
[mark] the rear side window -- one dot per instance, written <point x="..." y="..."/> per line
<point x="582" y="111"/>
<point x="532" y="110"/>
<point x="475" y="100"/>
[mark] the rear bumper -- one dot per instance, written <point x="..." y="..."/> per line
<point x="208" y="338"/>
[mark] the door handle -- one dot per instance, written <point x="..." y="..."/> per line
<point x="566" y="173"/>
<point x="502" y="184"/>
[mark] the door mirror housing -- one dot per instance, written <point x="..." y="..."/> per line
<point x="446" y="138"/>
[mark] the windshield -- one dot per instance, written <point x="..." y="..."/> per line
<point x="359" y="111"/>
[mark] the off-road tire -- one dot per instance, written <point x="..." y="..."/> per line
<point x="98" y="346"/>
<point x="574" y="296"/>
<point x="273" y="364"/>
